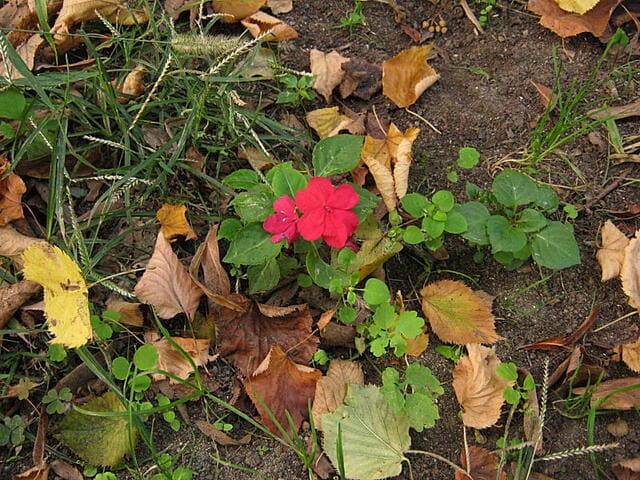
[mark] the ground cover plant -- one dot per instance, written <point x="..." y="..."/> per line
<point x="335" y="240"/>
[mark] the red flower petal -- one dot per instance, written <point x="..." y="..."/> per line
<point x="285" y="204"/>
<point x="312" y="225"/>
<point x="339" y="226"/>
<point x="318" y="191"/>
<point x="344" y="197"/>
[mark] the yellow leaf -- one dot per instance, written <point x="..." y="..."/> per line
<point x="327" y="67"/>
<point x="577" y="6"/>
<point x="611" y="255"/>
<point x="630" y="271"/>
<point x="327" y="122"/>
<point x="457" y="314"/>
<point x="376" y="248"/>
<point x="407" y="75"/>
<point x="236" y="10"/>
<point x="66" y="305"/>
<point x="173" y="222"/>
<point x="478" y="387"/>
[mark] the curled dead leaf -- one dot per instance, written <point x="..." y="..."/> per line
<point x="478" y="387"/>
<point x="631" y="354"/>
<point x="566" y="24"/>
<point x="130" y="313"/>
<point x="407" y="75"/>
<point x="13" y="243"/>
<point x="12" y="297"/>
<point x="621" y="400"/>
<point x="11" y="190"/>
<point x="399" y="144"/>
<point x="630" y="271"/>
<point x="611" y="255"/>
<point x="234" y="11"/>
<point x="275" y="30"/>
<point x="361" y="79"/>
<point x="173" y="222"/>
<point x="327" y="67"/>
<point x="627" y="469"/>
<point x="171" y="360"/>
<point x="332" y="388"/>
<point x="327" y="122"/>
<point x="482" y="465"/>
<point x="133" y="85"/>
<point x="219" y="436"/>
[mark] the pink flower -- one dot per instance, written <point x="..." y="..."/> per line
<point x="326" y="212"/>
<point x="283" y="223"/>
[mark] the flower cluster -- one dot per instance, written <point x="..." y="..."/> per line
<point x="325" y="212"/>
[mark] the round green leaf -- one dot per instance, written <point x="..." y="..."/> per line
<point x="512" y="188"/>
<point x="286" y="180"/>
<point x="456" y="223"/>
<point x="555" y="247"/>
<point x="413" y="235"/>
<point x="476" y="215"/>
<point x="433" y="227"/>
<point x="444" y="200"/>
<point x="120" y="368"/>
<point x="376" y="292"/>
<point x="468" y="157"/>
<point x="141" y="383"/>
<point x="12" y="104"/>
<point x="347" y="314"/>
<point x="414" y="204"/>
<point x="146" y="357"/>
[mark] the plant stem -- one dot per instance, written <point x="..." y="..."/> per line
<point x="457" y="468"/>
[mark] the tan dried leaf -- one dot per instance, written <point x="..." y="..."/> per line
<point x="11" y="190"/>
<point x="417" y="346"/>
<point x="173" y="222"/>
<point x="216" y="281"/>
<point x="133" y="85"/>
<point x="625" y="400"/>
<point x="483" y="465"/>
<point x="166" y="284"/>
<point x="327" y="122"/>
<point x="631" y="354"/>
<point x="327" y="67"/>
<point x="28" y="50"/>
<point x="65" y="470"/>
<point x="234" y="10"/>
<point x="478" y="387"/>
<point x="171" y="360"/>
<point x="375" y="155"/>
<point x="130" y="313"/>
<point x="566" y="24"/>
<point x="13" y="243"/>
<point x="219" y="436"/>
<point x="280" y="6"/>
<point x="618" y="428"/>
<point x="407" y="75"/>
<point x="262" y="23"/>
<point x="258" y="159"/>
<point x="332" y="388"/>
<point x="630" y="271"/>
<point x="627" y="469"/>
<point x="39" y="472"/>
<point x="282" y="386"/>
<point x="13" y="296"/>
<point x="611" y="255"/>
<point x="457" y="314"/>
<point x="399" y="145"/>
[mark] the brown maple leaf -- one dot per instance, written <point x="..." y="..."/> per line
<point x="478" y="387"/>
<point x="171" y="360"/>
<point x="278" y="386"/>
<point x="11" y="190"/>
<point x="166" y="284"/>
<point x="482" y="465"/>
<point x="245" y="338"/>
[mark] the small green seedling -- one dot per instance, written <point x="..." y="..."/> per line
<point x="296" y="90"/>
<point x="354" y="18"/>
<point x="11" y="431"/>
<point x="57" y="402"/>
<point x="468" y="157"/>
<point x="513" y="395"/>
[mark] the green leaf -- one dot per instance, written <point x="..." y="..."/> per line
<point x="415" y="204"/>
<point x="547" y="198"/>
<point x="504" y="237"/>
<point x="252" y="246"/>
<point x="347" y="314"/>
<point x="555" y="247"/>
<point x="385" y="316"/>
<point x="468" y="157"/>
<point x="242" y="179"/>
<point x="413" y="235"/>
<point x="507" y="371"/>
<point x="337" y="154"/>
<point x="421" y="410"/>
<point x="229" y="228"/>
<point x="379" y="346"/>
<point x="263" y="277"/>
<point x="286" y="180"/>
<point x="255" y="205"/>
<point x="512" y="188"/>
<point x="56" y="352"/>
<point x="373" y="436"/>
<point x="476" y="215"/>
<point x="376" y="292"/>
<point x="434" y="228"/>
<point x="12" y="104"/>
<point x="456" y="223"/>
<point x="409" y="324"/>
<point x="511" y="395"/>
<point x="450" y="352"/>
<point x="422" y="377"/>
<point x="98" y="440"/>
<point x="531" y="220"/>
<point x="444" y="200"/>
<point x="322" y="273"/>
<point x="7" y="131"/>
<point x="346" y="257"/>
<point x="367" y="201"/>
<point x="146" y="357"/>
<point x="120" y="368"/>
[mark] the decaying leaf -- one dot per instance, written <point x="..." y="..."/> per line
<point x="457" y="314"/>
<point x="625" y="400"/>
<point x="483" y="465"/>
<point x="13" y="243"/>
<point x="245" y="338"/>
<point x="133" y="85"/>
<point x="611" y="255"/>
<point x="66" y="304"/>
<point x="631" y="354"/>
<point x="416" y="346"/>
<point x="65" y="471"/>
<point x="166" y="284"/>
<point x="630" y="271"/>
<point x="280" y="6"/>
<point x="21" y="389"/>
<point x="39" y="472"/>
<point x="27" y="51"/>
<point x="11" y="190"/>
<point x="399" y="144"/>
<point x="478" y="387"/>
<point x="566" y="24"/>
<point x="577" y="6"/>
<point x="627" y="469"/>
<point x="280" y="385"/>
<point x="171" y="360"/>
<point x="407" y="75"/>
<point x="332" y="388"/>
<point x="130" y="313"/>
<point x="361" y="79"/>
<point x="557" y="343"/>
<point x="258" y="159"/>
<point x="328" y="122"/>
<point x="234" y="11"/>
<point x="98" y="440"/>
<point x="374" y="437"/>
<point x="327" y="67"/>
<point x="261" y="23"/>
<point x="618" y="428"/>
<point x="173" y="222"/>
<point x="219" y="436"/>
<point x="13" y="296"/>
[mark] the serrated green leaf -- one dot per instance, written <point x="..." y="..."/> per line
<point x="263" y="277"/>
<point x="379" y="346"/>
<point x="421" y="409"/>
<point x="555" y="247"/>
<point x="409" y="324"/>
<point x="507" y="371"/>
<point x="373" y="436"/>
<point x="468" y="157"/>
<point x="512" y="188"/>
<point x="504" y="237"/>
<point x="98" y="440"/>
<point x="337" y="154"/>
<point x="252" y="246"/>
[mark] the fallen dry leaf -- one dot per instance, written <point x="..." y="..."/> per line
<point x="173" y="222"/>
<point x="13" y="243"/>
<point x="13" y="296"/>
<point x="618" y="428"/>
<point x="627" y="469"/>
<point x="630" y="271"/>
<point x="11" y="190"/>
<point x="407" y="75"/>
<point x="631" y="354"/>
<point x="130" y="313"/>
<point x="545" y="93"/>
<point x="457" y="314"/>
<point x="621" y="111"/>
<point x="219" y="436"/>
<point x="234" y="11"/>
<point x="566" y="24"/>
<point x="478" y="387"/>
<point x="245" y="338"/>
<point x="399" y="144"/>
<point x="611" y="255"/>
<point x="27" y="51"/>
<point x="416" y="346"/>
<point x="280" y="385"/>
<point x="275" y="30"/>
<point x="65" y="471"/>
<point x="258" y="159"/>
<point x="39" y="472"/>
<point x="483" y="465"/>
<point x="21" y="389"/>
<point x="133" y="85"/>
<point x="332" y="388"/>
<point x="625" y="400"/>
<point x="166" y="284"/>
<point x="567" y="343"/>
<point x="328" y="122"/>
<point x="577" y="6"/>
<point x="361" y="79"/>
<point x="280" y="6"/>
<point x="327" y="67"/>
<point x="171" y="360"/>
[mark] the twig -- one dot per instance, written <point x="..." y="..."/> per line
<point x="471" y="16"/>
<point x="613" y="322"/>
<point x="424" y="120"/>
<point x="605" y="191"/>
